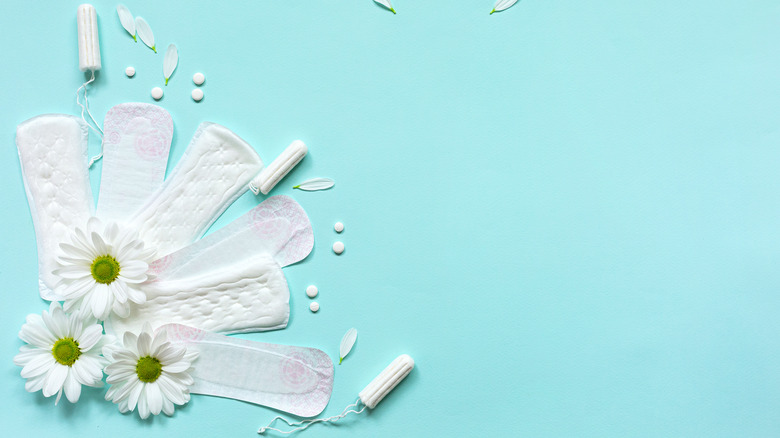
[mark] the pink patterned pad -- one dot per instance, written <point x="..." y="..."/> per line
<point x="135" y="154"/>
<point x="297" y="380"/>
<point x="277" y="227"/>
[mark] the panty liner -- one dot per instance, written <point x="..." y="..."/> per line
<point x="53" y="156"/>
<point x="136" y="145"/>
<point x="297" y="380"/>
<point x="231" y="281"/>
<point x="212" y="173"/>
<point x="250" y="296"/>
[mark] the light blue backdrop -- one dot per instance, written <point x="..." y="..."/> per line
<point x="567" y="213"/>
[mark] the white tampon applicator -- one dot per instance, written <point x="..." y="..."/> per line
<point x="89" y="60"/>
<point x="89" y="44"/>
<point x="369" y="397"/>
<point x="279" y="168"/>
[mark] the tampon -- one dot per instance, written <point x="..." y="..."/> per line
<point x="372" y="394"/>
<point x="369" y="397"/>
<point x="89" y="45"/>
<point x="281" y="166"/>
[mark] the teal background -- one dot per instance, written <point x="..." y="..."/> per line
<point x="567" y="213"/>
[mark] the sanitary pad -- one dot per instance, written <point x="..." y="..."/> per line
<point x="53" y="155"/>
<point x="136" y="144"/>
<point x="212" y="173"/>
<point x="297" y="380"/>
<point x="231" y="281"/>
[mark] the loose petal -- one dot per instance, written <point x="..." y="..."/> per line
<point x="316" y="184"/>
<point x="347" y="342"/>
<point x="145" y="33"/>
<point x="386" y="3"/>
<point x="502" y="4"/>
<point x="169" y="65"/>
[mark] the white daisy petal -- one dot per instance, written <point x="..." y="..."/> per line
<point x="133" y="269"/>
<point x="39" y="365"/>
<point x="129" y="339"/>
<point x="76" y="251"/>
<point x="177" y="367"/>
<point x="144" y="344"/>
<point x="154" y="398"/>
<point x="100" y="245"/>
<point x="35" y="384"/>
<point x="55" y="378"/>
<point x="135" y="393"/>
<point x="118" y="291"/>
<point x="37" y="334"/>
<point x="73" y="272"/>
<point x="28" y="353"/>
<point x="93" y="225"/>
<point x="167" y="407"/>
<point x="170" y="390"/>
<point x="89" y="337"/>
<point x="121" y="310"/>
<point x="171" y="355"/>
<point x="111" y="232"/>
<point x="143" y="403"/>
<point x="72" y="387"/>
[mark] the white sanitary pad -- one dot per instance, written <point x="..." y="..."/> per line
<point x="136" y="144"/>
<point x="212" y="173"/>
<point x="53" y="155"/>
<point x="231" y="281"/>
<point x="297" y="380"/>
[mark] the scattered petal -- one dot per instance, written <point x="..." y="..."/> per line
<point x="169" y="65"/>
<point x="502" y="4"/>
<point x="386" y="3"/>
<point x="126" y="18"/>
<point x="347" y="342"/>
<point x="316" y="184"/>
<point x="145" y="33"/>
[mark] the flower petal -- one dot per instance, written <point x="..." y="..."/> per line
<point x="144" y="344"/>
<point x="167" y="407"/>
<point x="90" y="337"/>
<point x="143" y="403"/>
<point x="38" y="365"/>
<point x="73" y="272"/>
<point x="54" y="379"/>
<point x="72" y="387"/>
<point x="177" y="367"/>
<point x="154" y="398"/>
<point x="100" y="245"/>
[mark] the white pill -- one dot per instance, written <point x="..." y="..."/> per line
<point x="198" y="78"/>
<point x="130" y="72"/>
<point x="197" y="94"/>
<point x="157" y="93"/>
<point x="311" y="291"/>
<point x="338" y="247"/>
<point x="314" y="306"/>
<point x="339" y="227"/>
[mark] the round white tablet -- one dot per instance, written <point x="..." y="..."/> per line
<point x="311" y="291"/>
<point x="338" y="247"/>
<point x="197" y="94"/>
<point x="198" y="78"/>
<point x="130" y="72"/>
<point x="157" y="93"/>
<point x="339" y="227"/>
<point x="314" y="306"/>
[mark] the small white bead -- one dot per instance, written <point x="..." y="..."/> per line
<point x="339" y="227"/>
<point x="197" y="94"/>
<point x="314" y="306"/>
<point x="130" y="72"/>
<point x="157" y="93"/>
<point x="198" y="78"/>
<point x="311" y="291"/>
<point x="338" y="247"/>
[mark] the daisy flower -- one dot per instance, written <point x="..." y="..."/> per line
<point x="149" y="373"/>
<point x="63" y="353"/>
<point x="101" y="270"/>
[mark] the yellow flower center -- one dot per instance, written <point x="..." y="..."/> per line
<point x="105" y="269"/>
<point x="148" y="369"/>
<point x="66" y="351"/>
